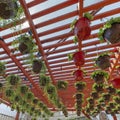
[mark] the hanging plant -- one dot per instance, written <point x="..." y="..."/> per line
<point x="38" y="66"/>
<point x="112" y="104"/>
<point x="44" y="80"/>
<point x="101" y="102"/>
<point x="118" y="92"/>
<point x="26" y="44"/>
<point x="81" y="27"/>
<point x="23" y="89"/>
<point x="117" y="99"/>
<point x="110" y="31"/>
<point x="99" y="76"/>
<point x="2" y="68"/>
<point x="50" y="89"/>
<point x="17" y="98"/>
<point x="116" y="82"/>
<point x="111" y="89"/>
<point x="78" y="75"/>
<point x="106" y="96"/>
<point x="65" y="112"/>
<point x="35" y="101"/>
<point x="80" y="86"/>
<point x="90" y="100"/>
<point x="98" y="87"/>
<point x="79" y="96"/>
<point x="103" y="61"/>
<point x="9" y="93"/>
<point x="78" y="58"/>
<point x="94" y="95"/>
<point x="29" y="96"/>
<point x="9" y="9"/>
<point x="13" y="80"/>
<point x="62" y="85"/>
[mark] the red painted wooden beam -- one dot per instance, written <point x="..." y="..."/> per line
<point x="17" y="116"/>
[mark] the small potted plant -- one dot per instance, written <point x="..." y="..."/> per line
<point x="111" y="31"/>
<point x="44" y="80"/>
<point x="9" y="92"/>
<point x="35" y="101"/>
<point x="62" y="85"/>
<point x="78" y="75"/>
<point x="79" y="96"/>
<point x="90" y="100"/>
<point x="23" y="89"/>
<point x="50" y="89"/>
<point x="117" y="99"/>
<point x="81" y="27"/>
<point x="13" y="80"/>
<point x="2" y="68"/>
<point x="80" y="86"/>
<point x="38" y="66"/>
<point x="111" y="89"/>
<point x="8" y="8"/>
<point x="98" y="87"/>
<point x="106" y="96"/>
<point x="29" y="96"/>
<point x="103" y="61"/>
<point x="94" y="95"/>
<point x="26" y="44"/>
<point x="99" y="76"/>
<point x="78" y="58"/>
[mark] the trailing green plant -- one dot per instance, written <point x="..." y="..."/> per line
<point x="62" y="85"/>
<point x="107" y="25"/>
<point x="23" y="89"/>
<point x="29" y="96"/>
<point x="116" y="99"/>
<point x="44" y="80"/>
<point x="106" y="96"/>
<point x="9" y="92"/>
<point x="13" y="80"/>
<point x="94" y="95"/>
<point x="2" y="68"/>
<point x="80" y="85"/>
<point x="98" y="87"/>
<point x="98" y="75"/>
<point x="118" y="92"/>
<point x="111" y="89"/>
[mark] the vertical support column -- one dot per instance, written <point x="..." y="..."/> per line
<point x="17" y="116"/>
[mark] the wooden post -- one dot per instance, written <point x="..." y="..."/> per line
<point x="17" y="116"/>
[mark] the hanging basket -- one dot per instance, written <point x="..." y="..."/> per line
<point x="103" y="61"/>
<point x="79" y="58"/>
<point x="8" y="9"/>
<point x="78" y="75"/>
<point x="37" y="66"/>
<point x="82" y="28"/>
<point x="80" y="86"/>
<point x="112" y="34"/>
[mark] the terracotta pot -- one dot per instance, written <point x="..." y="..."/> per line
<point x="82" y="28"/>
<point x="116" y="82"/>
<point x="78" y="75"/>
<point x="112" y="34"/>
<point x="103" y="62"/>
<point x="79" y="58"/>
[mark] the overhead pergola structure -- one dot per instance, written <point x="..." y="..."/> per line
<point x="49" y="21"/>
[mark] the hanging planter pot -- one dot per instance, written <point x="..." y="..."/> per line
<point x="13" y="80"/>
<point x="81" y="27"/>
<point x="23" y="89"/>
<point x="79" y="96"/>
<point x="116" y="82"/>
<point x="50" y="89"/>
<point x="90" y="100"/>
<point x="37" y="66"/>
<point x="80" y="86"/>
<point x="103" y="61"/>
<point x="78" y="75"/>
<point x="44" y="80"/>
<point x="98" y="87"/>
<point x="106" y="96"/>
<point x="26" y="44"/>
<point x="62" y="85"/>
<point x="111" y="31"/>
<point x="8" y="9"/>
<point x="9" y="92"/>
<point x="94" y="95"/>
<point x="111" y="89"/>
<point x="99" y="76"/>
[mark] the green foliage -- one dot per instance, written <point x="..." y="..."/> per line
<point x="29" y="96"/>
<point x="9" y="92"/>
<point x="62" y="85"/>
<point x="13" y="79"/>
<point x="107" y="25"/>
<point x="23" y="89"/>
<point x="44" y="80"/>
<point x="2" y="68"/>
<point x="88" y="15"/>
<point x="1" y="85"/>
<point x="100" y="72"/>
